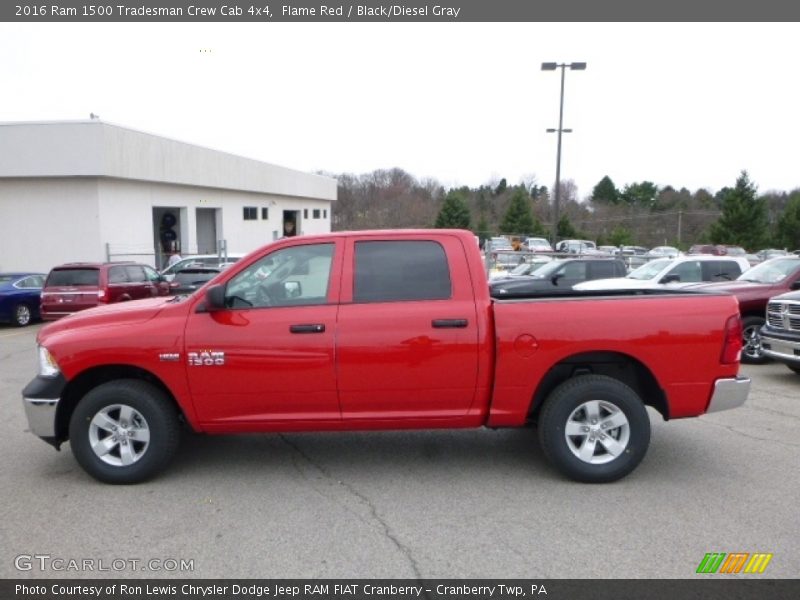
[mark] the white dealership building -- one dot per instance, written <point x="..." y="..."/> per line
<point x="92" y="191"/>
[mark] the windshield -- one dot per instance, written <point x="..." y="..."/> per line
<point x="771" y="271"/>
<point x="649" y="270"/>
<point x="521" y="269"/>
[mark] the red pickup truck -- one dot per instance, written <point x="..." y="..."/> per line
<point x="381" y="330"/>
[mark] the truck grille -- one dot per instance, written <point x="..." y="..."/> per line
<point x="784" y="315"/>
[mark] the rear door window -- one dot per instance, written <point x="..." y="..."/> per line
<point x="396" y="271"/>
<point x="117" y="275"/>
<point x="722" y="270"/>
<point x="73" y="277"/>
<point x="603" y="269"/>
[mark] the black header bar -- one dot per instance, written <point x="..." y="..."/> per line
<point x="452" y="11"/>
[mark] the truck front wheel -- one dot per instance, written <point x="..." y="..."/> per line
<point x="594" y="429"/>
<point x="124" y="431"/>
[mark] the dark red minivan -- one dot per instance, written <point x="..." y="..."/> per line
<point x="77" y="286"/>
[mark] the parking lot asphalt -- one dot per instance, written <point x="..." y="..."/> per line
<point x="431" y="504"/>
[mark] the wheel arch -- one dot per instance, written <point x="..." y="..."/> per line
<point x="616" y="365"/>
<point x="81" y="385"/>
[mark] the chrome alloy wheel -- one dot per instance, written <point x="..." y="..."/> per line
<point x="119" y="435"/>
<point x="751" y="339"/>
<point x="22" y="315"/>
<point x="597" y="432"/>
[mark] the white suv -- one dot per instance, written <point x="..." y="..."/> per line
<point x="674" y="273"/>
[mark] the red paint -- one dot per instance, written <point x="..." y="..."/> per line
<point x="383" y="365"/>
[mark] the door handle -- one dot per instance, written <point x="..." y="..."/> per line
<point x="449" y="323"/>
<point x="307" y="328"/>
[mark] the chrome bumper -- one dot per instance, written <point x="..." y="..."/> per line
<point x="41" y="413"/>
<point x="40" y="399"/>
<point x="781" y="350"/>
<point x="729" y="393"/>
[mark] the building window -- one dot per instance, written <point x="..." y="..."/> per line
<point x="325" y="214"/>
<point x="265" y="214"/>
<point x="316" y="213"/>
<point x="305" y="213"/>
<point x="250" y="213"/>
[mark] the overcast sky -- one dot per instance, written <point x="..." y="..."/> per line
<point x="689" y="105"/>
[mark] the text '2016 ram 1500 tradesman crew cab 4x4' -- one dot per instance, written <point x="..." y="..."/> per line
<point x="381" y="330"/>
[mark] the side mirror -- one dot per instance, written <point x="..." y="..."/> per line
<point x="215" y="298"/>
<point x="292" y="289"/>
<point x="795" y="285"/>
<point x="554" y="279"/>
<point x="671" y="278"/>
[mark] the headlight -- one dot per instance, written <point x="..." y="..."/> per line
<point x="47" y="364"/>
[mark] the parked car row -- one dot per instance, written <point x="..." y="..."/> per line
<point x="768" y="293"/>
<point x="26" y="297"/>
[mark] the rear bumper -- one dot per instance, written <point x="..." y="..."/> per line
<point x="729" y="393"/>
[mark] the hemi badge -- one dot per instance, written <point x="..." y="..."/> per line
<point x="169" y="357"/>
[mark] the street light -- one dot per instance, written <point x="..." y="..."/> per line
<point x="551" y="66"/>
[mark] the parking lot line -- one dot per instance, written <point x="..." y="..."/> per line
<point x="5" y="335"/>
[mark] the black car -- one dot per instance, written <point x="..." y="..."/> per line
<point x="559" y="275"/>
<point x="188" y="280"/>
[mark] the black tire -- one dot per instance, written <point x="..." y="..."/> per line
<point x="566" y="407"/>
<point x="148" y="410"/>
<point x="22" y="315"/>
<point x="794" y="368"/>
<point x="752" y="353"/>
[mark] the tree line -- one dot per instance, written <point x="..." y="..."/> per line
<point x="638" y="213"/>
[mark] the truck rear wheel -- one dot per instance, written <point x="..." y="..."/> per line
<point x="594" y="429"/>
<point x="124" y="431"/>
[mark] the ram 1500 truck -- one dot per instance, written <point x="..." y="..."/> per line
<point x="381" y="330"/>
<point x="780" y="336"/>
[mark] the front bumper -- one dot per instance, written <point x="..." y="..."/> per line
<point x="40" y="399"/>
<point x="729" y="393"/>
<point x="785" y="349"/>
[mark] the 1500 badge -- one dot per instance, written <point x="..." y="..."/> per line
<point x="206" y="358"/>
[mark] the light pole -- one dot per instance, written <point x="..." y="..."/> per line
<point x="551" y="66"/>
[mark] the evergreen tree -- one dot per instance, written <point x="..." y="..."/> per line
<point x="483" y="229"/>
<point x="640" y="194"/>
<point x="620" y="236"/>
<point x="565" y="230"/>
<point x="605" y="191"/>
<point x="744" y="217"/>
<point x="501" y="187"/>
<point x="788" y="230"/>
<point x="518" y="217"/>
<point x="454" y="213"/>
